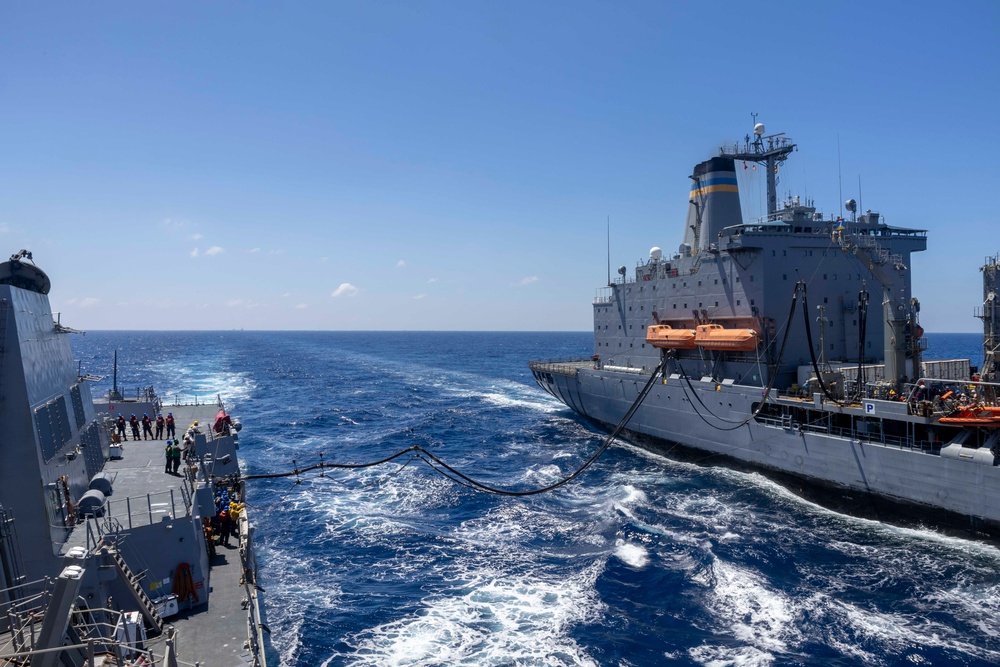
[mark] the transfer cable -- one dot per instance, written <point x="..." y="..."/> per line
<point x="443" y="468"/>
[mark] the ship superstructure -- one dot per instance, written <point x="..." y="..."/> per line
<point x="839" y="396"/>
<point x="104" y="557"/>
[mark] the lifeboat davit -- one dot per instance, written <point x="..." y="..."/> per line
<point x="666" y="337"/>
<point x="973" y="416"/>
<point x="717" y="337"/>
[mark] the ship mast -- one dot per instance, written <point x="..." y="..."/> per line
<point x="769" y="151"/>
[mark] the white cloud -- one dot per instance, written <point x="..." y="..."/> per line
<point x="243" y="303"/>
<point x="345" y="289"/>
<point x="194" y="253"/>
<point x="302" y="306"/>
<point x="89" y="302"/>
<point x="254" y="249"/>
<point x="324" y="259"/>
<point x="4" y="228"/>
<point x="286" y="294"/>
<point x="527" y="280"/>
<point x="214" y="250"/>
<point x="197" y="236"/>
<point x="432" y="280"/>
<point x="400" y="264"/>
<point x="420" y="296"/>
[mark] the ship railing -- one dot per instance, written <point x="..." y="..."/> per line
<point x="565" y="366"/>
<point x="135" y="511"/>
<point x="849" y="434"/>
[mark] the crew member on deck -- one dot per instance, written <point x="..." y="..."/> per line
<point x="159" y="426"/>
<point x="134" y="423"/>
<point x="121" y="427"/>
<point x="168" y="454"/>
<point x="147" y="427"/>
<point x="175" y="456"/>
<point x="171" y="427"/>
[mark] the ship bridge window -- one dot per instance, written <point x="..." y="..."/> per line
<point x="737" y="302"/>
<point x="716" y="281"/>
<point x="716" y="304"/>
<point x="826" y="299"/>
<point x="699" y="283"/>
<point x="675" y="306"/>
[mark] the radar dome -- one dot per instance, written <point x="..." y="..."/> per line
<point x="758" y="129"/>
<point x="655" y="253"/>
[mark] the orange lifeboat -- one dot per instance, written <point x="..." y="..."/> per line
<point x="666" y="337"/>
<point x="716" y="337"/>
<point x="973" y="416"/>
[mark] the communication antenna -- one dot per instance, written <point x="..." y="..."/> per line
<point x="609" y="249"/>
<point x="861" y="201"/>
<point x="840" y="178"/>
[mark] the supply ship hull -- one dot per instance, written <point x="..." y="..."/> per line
<point x="842" y="400"/>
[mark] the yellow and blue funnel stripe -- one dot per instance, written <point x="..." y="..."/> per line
<point x="707" y="186"/>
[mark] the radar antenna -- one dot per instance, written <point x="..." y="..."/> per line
<point x="768" y="150"/>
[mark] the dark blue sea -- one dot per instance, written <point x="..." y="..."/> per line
<point x="643" y="560"/>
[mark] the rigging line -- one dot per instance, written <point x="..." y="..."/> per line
<point x="607" y="443"/>
<point x="770" y="383"/>
<point x="440" y="466"/>
<point x="812" y="352"/>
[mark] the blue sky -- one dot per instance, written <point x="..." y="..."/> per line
<point x="452" y="165"/>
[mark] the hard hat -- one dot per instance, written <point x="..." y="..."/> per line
<point x="195" y="422"/>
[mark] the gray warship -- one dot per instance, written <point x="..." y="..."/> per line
<point x="714" y="349"/>
<point x="106" y="559"/>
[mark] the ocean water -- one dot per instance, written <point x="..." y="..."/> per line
<point x="643" y="560"/>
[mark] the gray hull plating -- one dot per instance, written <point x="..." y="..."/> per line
<point x="670" y="413"/>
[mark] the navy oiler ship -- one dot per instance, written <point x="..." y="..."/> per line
<point x="792" y="344"/>
<point x="106" y="558"/>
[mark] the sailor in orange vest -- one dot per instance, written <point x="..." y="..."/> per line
<point x="171" y="433"/>
<point x="159" y="426"/>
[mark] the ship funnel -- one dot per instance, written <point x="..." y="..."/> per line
<point x="714" y="202"/>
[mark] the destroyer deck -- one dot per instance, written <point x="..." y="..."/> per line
<point x="214" y="633"/>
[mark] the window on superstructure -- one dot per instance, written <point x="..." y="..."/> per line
<point x="824" y="275"/>
<point x="751" y="302"/>
<point x="716" y="304"/>
<point x="737" y="302"/>
<point x="826" y="299"/>
<point x="784" y="253"/>
<point x="675" y="306"/>
<point x="737" y="278"/>
<point x="685" y="306"/>
<point x="784" y="276"/>
<point x="751" y="278"/>
<point x="699" y="283"/>
<point x="716" y="281"/>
